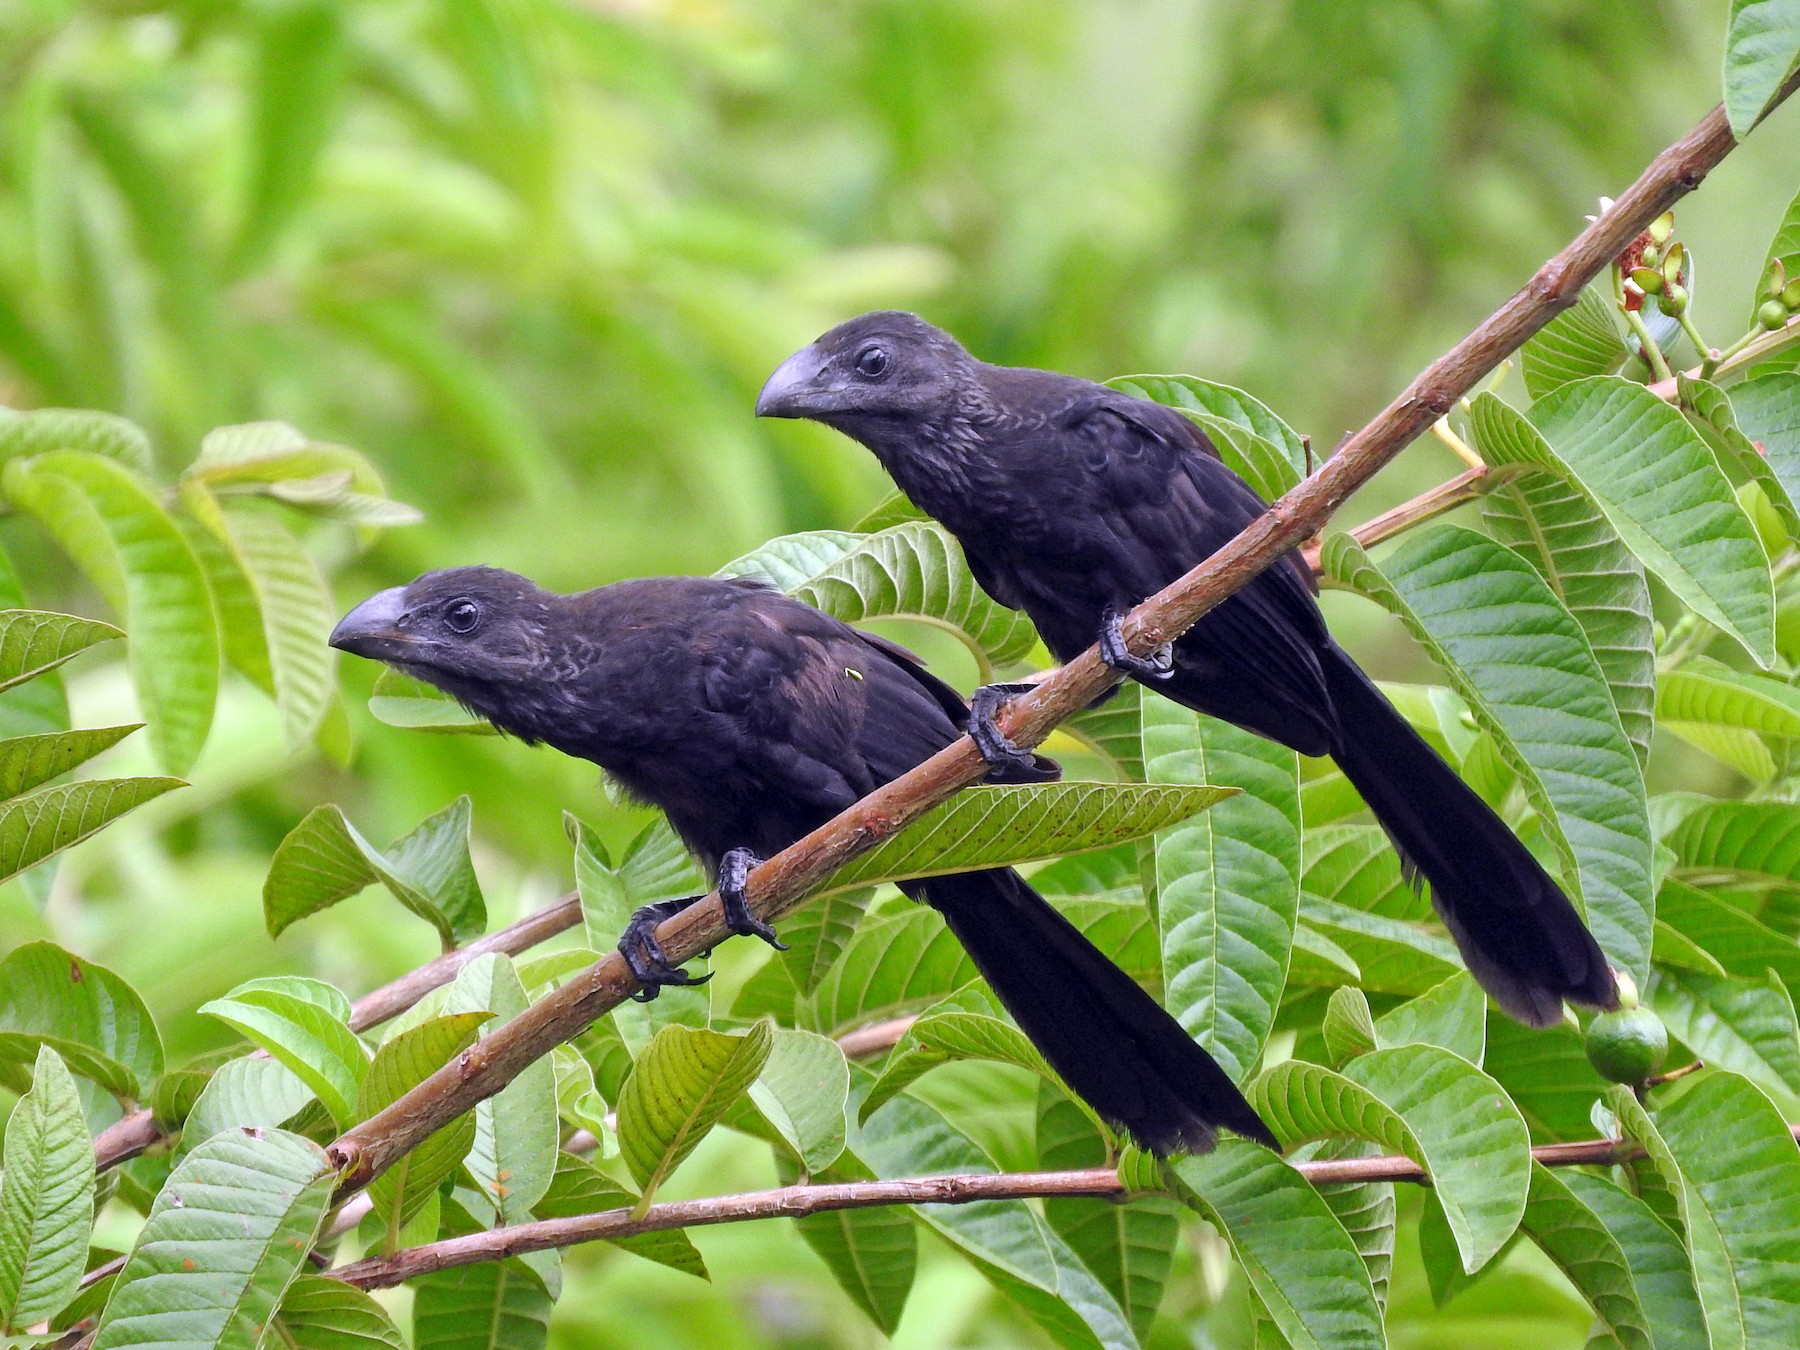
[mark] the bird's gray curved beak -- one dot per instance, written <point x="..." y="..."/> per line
<point x="792" y="391"/>
<point x="372" y="629"/>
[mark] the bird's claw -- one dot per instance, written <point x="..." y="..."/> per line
<point x="1007" y="761"/>
<point x="649" y="964"/>
<point x="734" y="870"/>
<point x="1156" y="665"/>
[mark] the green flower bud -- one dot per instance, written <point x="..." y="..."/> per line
<point x="1790" y="294"/>
<point x="1674" y="298"/>
<point x="1673" y="263"/>
<point x="1772" y="315"/>
<point x="1662" y="227"/>
<point x="1777" y="279"/>
<point x="1652" y="255"/>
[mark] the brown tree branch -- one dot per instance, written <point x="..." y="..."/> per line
<point x="367" y="1149"/>
<point x="126" y="1138"/>
<point x="789" y="1202"/>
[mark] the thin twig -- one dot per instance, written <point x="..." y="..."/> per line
<point x="781" y="883"/>
<point x="788" y="1202"/>
<point x="134" y="1134"/>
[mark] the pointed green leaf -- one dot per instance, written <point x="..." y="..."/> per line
<point x="400" y="1065"/>
<point x="1577" y="1239"/>
<point x="114" y="527"/>
<point x="1304" y="1268"/>
<point x="46" y="1197"/>
<point x="982" y="827"/>
<point x="31" y="761"/>
<point x="1522" y="662"/>
<point x="1012" y="1246"/>
<point x="33" y="641"/>
<point x="298" y="1025"/>
<point x="45" y="822"/>
<point x="226" y="1236"/>
<point x="913" y="570"/>
<point x="1581" y="341"/>
<point x="1741" y="1173"/>
<point x="1392" y="956"/>
<point x="679" y="1087"/>
<point x="1657" y="1260"/>
<point x="802" y="1091"/>
<point x="401" y="701"/>
<point x="871" y="1253"/>
<point x="1738" y="942"/>
<point x="945" y="1037"/>
<point x="1745" y="1025"/>
<point x="320" y="1313"/>
<point x="324" y="859"/>
<point x="1705" y="691"/>
<point x="1755" y="843"/>
<point x="1668" y="499"/>
<point x="1762" y="48"/>
<point x="1556" y="527"/>
<point x="513" y="1156"/>
<point x="97" y="433"/>
<point x="1225" y="884"/>
<point x="1349" y="1026"/>
<point x="1453" y="1015"/>
<point x="93" y="1019"/>
<point x="578" y="1187"/>
<point x="1263" y="450"/>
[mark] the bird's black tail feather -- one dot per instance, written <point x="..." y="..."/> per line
<point x="1111" y="1042"/>
<point x="1519" y="934"/>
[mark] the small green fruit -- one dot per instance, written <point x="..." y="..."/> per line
<point x="1627" y="1046"/>
<point x="1772" y="315"/>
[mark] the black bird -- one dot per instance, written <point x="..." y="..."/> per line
<point x="1074" y="502"/>
<point x="751" y="719"/>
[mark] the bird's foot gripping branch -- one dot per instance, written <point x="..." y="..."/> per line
<point x="517" y="1101"/>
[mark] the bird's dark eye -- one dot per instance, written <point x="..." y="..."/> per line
<point x="461" y="616"/>
<point x="872" y="362"/>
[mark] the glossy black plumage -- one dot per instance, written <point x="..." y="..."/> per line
<point x="1071" y="499"/>
<point x="751" y="719"/>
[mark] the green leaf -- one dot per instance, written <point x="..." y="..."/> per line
<point x="96" y="433"/>
<point x="400" y="1065"/>
<point x="1704" y="691"/>
<point x="982" y="827"/>
<point x="1258" y="445"/>
<point x="31" y="761"/>
<point x="1762" y="47"/>
<point x="1668" y="500"/>
<point x="114" y="527"/>
<point x="401" y="701"/>
<point x="88" y="1015"/>
<point x="580" y="1188"/>
<point x="802" y="1090"/>
<point x="1577" y="1239"/>
<point x="1712" y="410"/>
<point x="1129" y="1247"/>
<point x="293" y="610"/>
<point x="1356" y="866"/>
<point x="324" y="859"/>
<point x="1658" y="1263"/>
<point x="33" y="641"/>
<point x="320" y="1313"/>
<point x="871" y="1253"/>
<point x="1556" y="527"/>
<point x="894" y="509"/>
<point x="1366" y="1209"/>
<point x="1225" y="885"/>
<point x="1547" y="1076"/>
<point x="1392" y="956"/>
<point x="1525" y="667"/>
<point x="1581" y="341"/>
<point x="516" y="1130"/>
<point x="251" y="1093"/>
<point x="1747" y="1026"/>
<point x="492" y="1305"/>
<point x="1767" y="408"/>
<point x="1012" y="1246"/>
<point x="1452" y="1015"/>
<point x="901" y="958"/>
<point x="1349" y="1026"/>
<point x="1478" y="1158"/>
<point x="299" y="1022"/>
<point x="46" y="1197"/>
<point x="679" y="1087"/>
<point x="1741" y="1177"/>
<point x="818" y="934"/>
<point x="1750" y="842"/>
<point x="1300" y="1262"/>
<point x="1738" y="942"/>
<point x="945" y="1037"/>
<point x="913" y="570"/>
<point x="226" y="1236"/>
<point x="45" y="822"/>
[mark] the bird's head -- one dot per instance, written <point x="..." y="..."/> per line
<point x="883" y="369"/>
<point x="477" y="633"/>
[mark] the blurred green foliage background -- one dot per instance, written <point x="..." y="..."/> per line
<point x="536" y="256"/>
